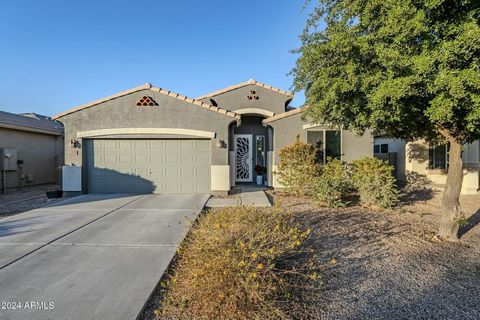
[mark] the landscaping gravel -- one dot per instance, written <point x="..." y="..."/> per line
<point x="389" y="264"/>
<point x="28" y="198"/>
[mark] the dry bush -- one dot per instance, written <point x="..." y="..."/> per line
<point x="333" y="184"/>
<point x="298" y="168"/>
<point x="375" y="182"/>
<point x="239" y="263"/>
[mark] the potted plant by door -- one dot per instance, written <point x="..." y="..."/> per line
<point x="259" y="170"/>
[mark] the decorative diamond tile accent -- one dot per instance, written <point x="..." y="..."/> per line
<point x="146" y="101"/>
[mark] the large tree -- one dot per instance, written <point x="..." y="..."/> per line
<point x="408" y="69"/>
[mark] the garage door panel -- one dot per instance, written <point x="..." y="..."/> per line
<point x="111" y="158"/>
<point x="98" y="144"/>
<point x="188" y="173"/>
<point x="203" y="187"/>
<point x="203" y="175"/>
<point x="157" y="144"/>
<point x="203" y="145"/>
<point x="157" y="172"/>
<point x="145" y="166"/>
<point x="125" y="144"/>
<point x="188" y="186"/>
<point x="157" y="158"/>
<point x="141" y="144"/>
<point x="98" y="159"/>
<point x="203" y="158"/>
<point x="188" y="158"/>
<point x="110" y="144"/>
<point x="189" y="145"/>
<point x="172" y="172"/>
<point x="172" y="187"/>
<point x="140" y="158"/>
<point x="171" y="157"/>
<point x="172" y="144"/>
<point x="125" y="158"/>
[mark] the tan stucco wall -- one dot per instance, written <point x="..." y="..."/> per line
<point x="417" y="162"/>
<point x="42" y="155"/>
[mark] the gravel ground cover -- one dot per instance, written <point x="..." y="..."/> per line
<point x="28" y="198"/>
<point x="388" y="264"/>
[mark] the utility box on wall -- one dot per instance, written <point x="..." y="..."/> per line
<point x="72" y="178"/>
<point x="8" y="159"/>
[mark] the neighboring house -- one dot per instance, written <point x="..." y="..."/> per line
<point x="429" y="160"/>
<point x="392" y="150"/>
<point x="34" y="145"/>
<point x="149" y="139"/>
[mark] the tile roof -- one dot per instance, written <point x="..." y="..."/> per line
<point x="148" y="86"/>
<point x="243" y="84"/>
<point x="30" y="122"/>
<point x="283" y="115"/>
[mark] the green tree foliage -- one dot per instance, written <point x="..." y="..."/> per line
<point x="404" y="68"/>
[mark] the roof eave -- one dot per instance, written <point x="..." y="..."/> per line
<point x="31" y="129"/>
<point x="243" y="84"/>
<point x="281" y="116"/>
<point x="148" y="86"/>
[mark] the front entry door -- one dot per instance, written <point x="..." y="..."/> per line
<point x="243" y="157"/>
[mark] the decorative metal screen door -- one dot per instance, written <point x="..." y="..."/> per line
<point x="243" y="157"/>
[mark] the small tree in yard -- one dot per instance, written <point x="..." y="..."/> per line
<point x="407" y="69"/>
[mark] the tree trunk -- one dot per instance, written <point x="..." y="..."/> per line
<point x="451" y="210"/>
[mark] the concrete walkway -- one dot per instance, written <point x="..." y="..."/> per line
<point x="250" y="195"/>
<point x="91" y="257"/>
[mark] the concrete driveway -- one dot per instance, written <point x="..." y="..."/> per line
<point x="90" y="257"/>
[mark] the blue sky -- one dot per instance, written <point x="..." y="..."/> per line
<point x="55" y="55"/>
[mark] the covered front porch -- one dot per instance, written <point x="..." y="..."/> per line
<point x="249" y="148"/>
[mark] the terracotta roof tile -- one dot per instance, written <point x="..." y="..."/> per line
<point x="243" y="84"/>
<point x="283" y="115"/>
<point x="148" y="86"/>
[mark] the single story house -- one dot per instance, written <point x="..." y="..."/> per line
<point x="149" y="139"/>
<point x="32" y="145"/>
<point x="429" y="161"/>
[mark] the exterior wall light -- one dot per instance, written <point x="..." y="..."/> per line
<point x="74" y="143"/>
<point x="221" y="143"/>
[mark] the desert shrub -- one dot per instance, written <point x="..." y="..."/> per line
<point x="298" y="168"/>
<point x="332" y="185"/>
<point x="236" y="264"/>
<point x="374" y="182"/>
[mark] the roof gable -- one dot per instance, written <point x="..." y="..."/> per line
<point x="148" y="86"/>
<point x="243" y="84"/>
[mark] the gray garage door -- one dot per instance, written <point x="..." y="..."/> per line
<point x="148" y="166"/>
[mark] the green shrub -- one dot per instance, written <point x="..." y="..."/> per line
<point x="298" y="168"/>
<point x="238" y="263"/>
<point x="332" y="185"/>
<point x="374" y="182"/>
